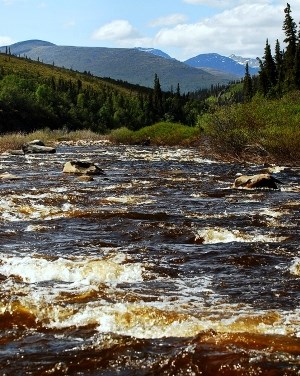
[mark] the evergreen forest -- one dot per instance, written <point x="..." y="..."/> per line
<point x="34" y="95"/>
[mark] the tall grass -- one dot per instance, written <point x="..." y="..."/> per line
<point x="14" y="141"/>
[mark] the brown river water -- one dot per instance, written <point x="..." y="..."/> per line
<point x="159" y="267"/>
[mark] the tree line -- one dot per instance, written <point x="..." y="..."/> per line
<point x="279" y="72"/>
<point x="31" y="100"/>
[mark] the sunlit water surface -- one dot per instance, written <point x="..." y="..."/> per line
<point x="159" y="267"/>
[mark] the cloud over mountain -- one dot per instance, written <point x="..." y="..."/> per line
<point x="116" y="30"/>
<point x="243" y="28"/>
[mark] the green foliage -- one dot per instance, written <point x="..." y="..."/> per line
<point x="162" y="133"/>
<point x="121" y="135"/>
<point x="34" y="95"/>
<point x="281" y="74"/>
<point x="247" y="86"/>
<point x="270" y="125"/>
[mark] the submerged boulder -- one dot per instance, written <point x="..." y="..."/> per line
<point x="37" y="146"/>
<point x="82" y="168"/>
<point x="256" y="181"/>
<point x="85" y="178"/>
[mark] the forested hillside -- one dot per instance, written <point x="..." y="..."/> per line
<point x="34" y="95"/>
<point x="132" y="65"/>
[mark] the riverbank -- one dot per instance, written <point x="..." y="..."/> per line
<point x="157" y="135"/>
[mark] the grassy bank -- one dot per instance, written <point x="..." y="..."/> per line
<point x="163" y="133"/>
<point x="14" y="141"/>
<point x="261" y="129"/>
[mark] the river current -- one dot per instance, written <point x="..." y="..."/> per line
<point x="158" y="267"/>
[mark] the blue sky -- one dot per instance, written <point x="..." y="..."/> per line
<point x="181" y="28"/>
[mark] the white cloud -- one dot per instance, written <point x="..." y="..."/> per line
<point x="116" y="30"/>
<point x="5" y="41"/>
<point x="172" y="19"/>
<point x="242" y="30"/>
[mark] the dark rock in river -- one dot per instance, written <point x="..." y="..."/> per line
<point x="82" y="168"/>
<point x="256" y="181"/>
<point x="37" y="146"/>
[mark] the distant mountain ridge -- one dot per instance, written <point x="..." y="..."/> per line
<point x="154" y="51"/>
<point x="22" y="48"/>
<point x="219" y="62"/>
<point x="253" y="63"/>
<point x="134" y="65"/>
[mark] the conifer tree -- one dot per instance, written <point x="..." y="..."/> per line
<point x="279" y="67"/>
<point x="268" y="74"/>
<point x="290" y="29"/>
<point x="269" y="66"/>
<point x="297" y="62"/>
<point x="157" y="96"/>
<point x="247" y="86"/>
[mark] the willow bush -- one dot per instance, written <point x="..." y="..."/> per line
<point x="273" y="125"/>
<point x="162" y="133"/>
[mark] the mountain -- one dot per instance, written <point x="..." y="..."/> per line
<point x="219" y="62"/>
<point x="22" y="48"/>
<point x="155" y="51"/>
<point x="253" y="63"/>
<point x="125" y="64"/>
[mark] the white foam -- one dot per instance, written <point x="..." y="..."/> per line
<point x="144" y="320"/>
<point x="92" y="296"/>
<point x="19" y="207"/>
<point x="79" y="270"/>
<point x="129" y="200"/>
<point x="223" y="235"/>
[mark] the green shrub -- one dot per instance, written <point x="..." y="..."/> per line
<point x="163" y="133"/>
<point x="121" y="135"/>
<point x="271" y="125"/>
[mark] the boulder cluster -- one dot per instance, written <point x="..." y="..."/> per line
<point x="85" y="170"/>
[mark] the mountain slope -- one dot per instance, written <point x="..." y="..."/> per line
<point x="21" y="48"/>
<point x="219" y="62"/>
<point x="253" y="63"/>
<point x="155" y="51"/>
<point x="131" y="65"/>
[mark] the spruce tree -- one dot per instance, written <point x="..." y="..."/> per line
<point x="267" y="74"/>
<point x="269" y="66"/>
<point x="157" y="97"/>
<point x="279" y="67"/>
<point x="247" y="86"/>
<point x="290" y="29"/>
<point x="297" y="62"/>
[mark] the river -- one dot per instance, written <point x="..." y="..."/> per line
<point x="158" y="267"/>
